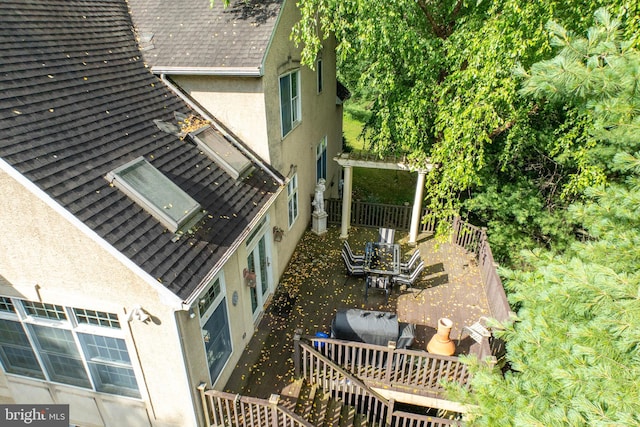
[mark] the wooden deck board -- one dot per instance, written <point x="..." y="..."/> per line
<point x="317" y="284"/>
<point x="461" y="298"/>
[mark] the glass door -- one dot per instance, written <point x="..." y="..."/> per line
<point x="259" y="264"/>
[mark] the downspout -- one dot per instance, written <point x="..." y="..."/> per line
<point x="204" y="114"/>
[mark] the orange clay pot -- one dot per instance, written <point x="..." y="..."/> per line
<point x="440" y="343"/>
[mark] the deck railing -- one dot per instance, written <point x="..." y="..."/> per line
<point x="471" y="238"/>
<point x="322" y="370"/>
<point x="388" y="367"/>
<point x="330" y="377"/>
<point x="475" y="240"/>
<point x="234" y="410"/>
<point x="365" y="214"/>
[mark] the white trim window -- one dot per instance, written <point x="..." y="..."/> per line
<point x="290" y="112"/>
<point x="292" y="199"/>
<point x="321" y="159"/>
<point x="216" y="334"/>
<point x="74" y="346"/>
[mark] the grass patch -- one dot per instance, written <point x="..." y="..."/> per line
<point x="374" y="185"/>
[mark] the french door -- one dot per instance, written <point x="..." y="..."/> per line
<point x="258" y="263"/>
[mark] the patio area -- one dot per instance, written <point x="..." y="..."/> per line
<point x="316" y="285"/>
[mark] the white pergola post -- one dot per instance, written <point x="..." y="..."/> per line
<point x="346" y="202"/>
<point x="348" y="161"/>
<point x="417" y="209"/>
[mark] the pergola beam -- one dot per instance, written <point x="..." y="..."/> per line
<point x="348" y="161"/>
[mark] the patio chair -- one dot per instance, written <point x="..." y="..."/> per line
<point x="386" y="235"/>
<point x="408" y="266"/>
<point x="477" y="331"/>
<point x="410" y="278"/>
<point x="355" y="259"/>
<point x="352" y="268"/>
<point x="378" y="282"/>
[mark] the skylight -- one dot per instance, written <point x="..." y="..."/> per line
<point x="222" y="151"/>
<point x="157" y="194"/>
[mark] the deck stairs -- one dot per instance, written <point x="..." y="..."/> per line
<point x="324" y="395"/>
<point x="320" y="408"/>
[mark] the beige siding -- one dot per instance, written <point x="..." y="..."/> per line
<point x="235" y="101"/>
<point x="320" y="117"/>
<point x="250" y="108"/>
<point x="46" y="257"/>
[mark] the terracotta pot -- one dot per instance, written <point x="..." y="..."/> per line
<point x="440" y="343"/>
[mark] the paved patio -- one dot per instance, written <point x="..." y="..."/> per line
<point x="316" y="285"/>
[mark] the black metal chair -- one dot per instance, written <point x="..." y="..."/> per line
<point x="353" y="269"/>
<point x="408" y="266"/>
<point x="381" y="282"/>
<point x="355" y="259"/>
<point x="386" y="235"/>
<point x="409" y="279"/>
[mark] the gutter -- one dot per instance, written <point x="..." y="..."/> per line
<point x="211" y="71"/>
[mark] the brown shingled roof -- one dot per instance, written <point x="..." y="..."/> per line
<point x="191" y="33"/>
<point x="76" y="102"/>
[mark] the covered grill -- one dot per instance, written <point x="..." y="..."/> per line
<point x="372" y="327"/>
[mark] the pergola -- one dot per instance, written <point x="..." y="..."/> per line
<point x="350" y="160"/>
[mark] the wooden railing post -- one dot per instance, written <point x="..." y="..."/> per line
<point x="297" y="356"/>
<point x="389" y="417"/>
<point x="455" y="229"/>
<point x="205" y="405"/>
<point x="391" y="348"/>
<point x="273" y="402"/>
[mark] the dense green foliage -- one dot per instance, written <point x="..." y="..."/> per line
<point x="545" y="152"/>
<point x="440" y="77"/>
<point x="575" y="347"/>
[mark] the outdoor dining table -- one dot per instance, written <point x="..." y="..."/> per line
<point x="382" y="258"/>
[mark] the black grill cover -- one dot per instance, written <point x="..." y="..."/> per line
<point x="372" y="327"/>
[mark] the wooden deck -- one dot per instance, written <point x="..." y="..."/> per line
<point x="456" y="293"/>
<point x="316" y="285"/>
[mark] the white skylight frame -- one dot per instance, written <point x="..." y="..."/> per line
<point x="159" y="196"/>
<point x="223" y="152"/>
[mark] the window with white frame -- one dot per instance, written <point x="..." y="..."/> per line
<point x="292" y="198"/>
<point x="321" y="159"/>
<point x="214" y="322"/>
<point x="319" y="76"/>
<point x="75" y="346"/>
<point x="290" y="101"/>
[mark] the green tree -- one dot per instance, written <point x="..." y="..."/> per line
<point x="574" y="349"/>
<point x="440" y="74"/>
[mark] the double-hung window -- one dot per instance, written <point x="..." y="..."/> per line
<point x="321" y="160"/>
<point x="292" y="198"/>
<point x="75" y="346"/>
<point x="290" y="101"/>
<point x="215" y="328"/>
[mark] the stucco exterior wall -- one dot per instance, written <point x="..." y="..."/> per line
<point x="320" y="117"/>
<point x="42" y="247"/>
<point x="237" y="102"/>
